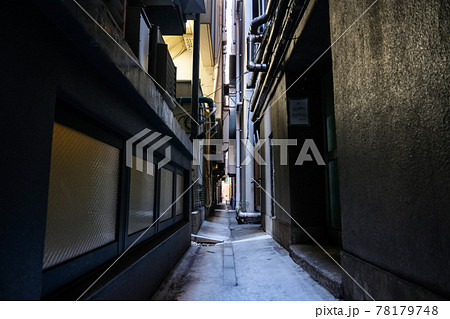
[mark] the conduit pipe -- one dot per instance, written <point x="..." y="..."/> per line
<point x="257" y="22"/>
<point x="289" y="20"/>
<point x="251" y="65"/>
<point x="275" y="8"/>
<point x="202" y="99"/>
<point x="255" y="37"/>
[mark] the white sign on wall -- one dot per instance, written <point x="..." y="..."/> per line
<point x="299" y="111"/>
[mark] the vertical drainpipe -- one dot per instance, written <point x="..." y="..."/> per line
<point x="239" y="170"/>
<point x="194" y="90"/>
<point x="240" y="88"/>
<point x="250" y="187"/>
<point x="238" y="98"/>
<point x="195" y="76"/>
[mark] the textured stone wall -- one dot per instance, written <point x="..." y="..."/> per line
<point x="274" y="125"/>
<point x="392" y="103"/>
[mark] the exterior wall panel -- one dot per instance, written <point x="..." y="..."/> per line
<point x="61" y="61"/>
<point x="391" y="86"/>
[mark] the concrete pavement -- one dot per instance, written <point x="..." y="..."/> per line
<point x="245" y="264"/>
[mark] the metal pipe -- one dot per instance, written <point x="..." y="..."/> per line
<point x="291" y="18"/>
<point x="201" y="99"/>
<point x="251" y="65"/>
<point x="257" y="22"/>
<point x="274" y="31"/>
<point x="262" y="19"/>
<point x="195" y="76"/>
<point x="255" y="37"/>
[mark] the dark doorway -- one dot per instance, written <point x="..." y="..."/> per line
<point x="314" y="188"/>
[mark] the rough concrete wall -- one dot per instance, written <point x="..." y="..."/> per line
<point x="267" y="221"/>
<point x="391" y="86"/>
<point x="279" y="124"/>
<point x="275" y="121"/>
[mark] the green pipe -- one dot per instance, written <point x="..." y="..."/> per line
<point x="201" y="99"/>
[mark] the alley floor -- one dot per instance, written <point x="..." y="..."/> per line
<point x="246" y="264"/>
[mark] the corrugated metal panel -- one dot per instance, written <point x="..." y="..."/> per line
<point x="166" y="197"/>
<point x="142" y="200"/>
<point x="83" y="195"/>
<point x="166" y="73"/>
<point x="180" y="190"/>
<point x="171" y="76"/>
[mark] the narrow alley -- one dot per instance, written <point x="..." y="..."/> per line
<point x="244" y="264"/>
<point x="225" y="150"/>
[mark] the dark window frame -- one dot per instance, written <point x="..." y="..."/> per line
<point x="74" y="271"/>
<point x="135" y="237"/>
<point x="155" y="184"/>
<point x="168" y="222"/>
<point x="158" y="227"/>
<point x="71" y="270"/>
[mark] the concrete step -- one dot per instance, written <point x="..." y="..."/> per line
<point x="206" y="239"/>
<point x="319" y="265"/>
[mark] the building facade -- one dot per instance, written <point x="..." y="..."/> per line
<point x="367" y="83"/>
<point x="80" y="79"/>
<point x="345" y="101"/>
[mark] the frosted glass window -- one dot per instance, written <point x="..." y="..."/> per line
<point x="142" y="199"/>
<point x="180" y="190"/>
<point x="83" y="195"/>
<point x="166" y="199"/>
